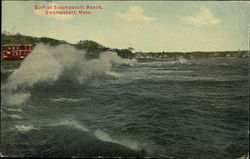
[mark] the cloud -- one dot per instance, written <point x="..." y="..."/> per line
<point x="135" y="14"/>
<point x="203" y="18"/>
<point x="42" y="12"/>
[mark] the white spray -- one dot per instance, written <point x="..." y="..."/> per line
<point x="125" y="142"/>
<point x="48" y="64"/>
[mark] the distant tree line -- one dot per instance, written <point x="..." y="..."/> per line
<point x="196" y="54"/>
<point x="92" y="48"/>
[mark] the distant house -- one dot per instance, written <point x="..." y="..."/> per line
<point x="16" y="51"/>
<point x="112" y="50"/>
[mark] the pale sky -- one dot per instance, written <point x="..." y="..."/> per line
<point x="145" y="26"/>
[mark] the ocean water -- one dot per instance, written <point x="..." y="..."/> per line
<point x="181" y="108"/>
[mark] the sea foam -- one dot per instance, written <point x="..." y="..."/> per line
<point x="24" y="128"/>
<point x="71" y="123"/>
<point x="101" y="135"/>
<point x="48" y="64"/>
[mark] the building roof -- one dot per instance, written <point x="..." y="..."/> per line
<point x="17" y="45"/>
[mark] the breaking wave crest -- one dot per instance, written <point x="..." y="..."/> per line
<point x="101" y="135"/>
<point x="105" y="137"/>
<point x="49" y="64"/>
<point x="180" y="60"/>
<point x="14" y="110"/>
<point x="72" y="123"/>
<point x="24" y="128"/>
<point x="69" y="99"/>
<point x="14" y="116"/>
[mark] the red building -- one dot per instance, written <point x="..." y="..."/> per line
<point x="16" y="51"/>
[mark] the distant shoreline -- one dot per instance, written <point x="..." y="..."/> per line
<point x="93" y="49"/>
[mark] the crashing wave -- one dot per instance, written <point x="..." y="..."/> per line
<point x="49" y="64"/>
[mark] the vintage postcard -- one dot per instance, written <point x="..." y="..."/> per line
<point x="162" y="79"/>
